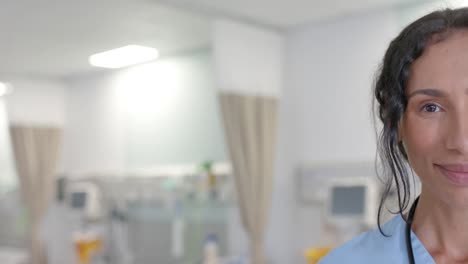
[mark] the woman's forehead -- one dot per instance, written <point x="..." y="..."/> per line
<point x="443" y="65"/>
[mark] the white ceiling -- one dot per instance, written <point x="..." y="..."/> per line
<point x="55" y="38"/>
<point x="283" y="14"/>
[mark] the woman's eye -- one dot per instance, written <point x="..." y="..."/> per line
<point x="431" y="108"/>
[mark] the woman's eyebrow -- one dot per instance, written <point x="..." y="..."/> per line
<point x="429" y="92"/>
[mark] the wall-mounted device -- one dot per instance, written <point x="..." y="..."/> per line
<point x="85" y="197"/>
<point x="351" y="200"/>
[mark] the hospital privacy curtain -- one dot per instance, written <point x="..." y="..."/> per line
<point x="250" y="128"/>
<point x="36" y="152"/>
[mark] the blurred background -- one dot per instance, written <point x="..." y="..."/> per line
<point x="177" y="131"/>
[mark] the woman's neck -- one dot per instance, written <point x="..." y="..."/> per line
<point x="442" y="228"/>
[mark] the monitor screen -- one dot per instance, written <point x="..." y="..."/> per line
<point x="78" y="200"/>
<point x="348" y="200"/>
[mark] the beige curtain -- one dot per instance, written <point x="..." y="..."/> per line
<point x="250" y="127"/>
<point x="36" y="151"/>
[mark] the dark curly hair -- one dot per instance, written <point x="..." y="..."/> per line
<point x="389" y="92"/>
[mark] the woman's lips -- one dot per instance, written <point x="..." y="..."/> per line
<point x="455" y="173"/>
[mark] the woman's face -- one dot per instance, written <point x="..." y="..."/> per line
<point x="434" y="128"/>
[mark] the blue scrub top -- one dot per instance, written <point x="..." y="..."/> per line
<point x="372" y="247"/>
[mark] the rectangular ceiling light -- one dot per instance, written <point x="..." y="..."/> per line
<point x="124" y="56"/>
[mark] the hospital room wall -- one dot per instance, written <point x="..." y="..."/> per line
<point x="327" y="102"/>
<point x="36" y="100"/>
<point x="158" y="114"/>
<point x="90" y="110"/>
<point x="105" y="123"/>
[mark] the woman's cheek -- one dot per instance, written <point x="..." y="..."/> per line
<point x="422" y="136"/>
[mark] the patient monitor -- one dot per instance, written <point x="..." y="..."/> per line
<point x="85" y="197"/>
<point x="352" y="200"/>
